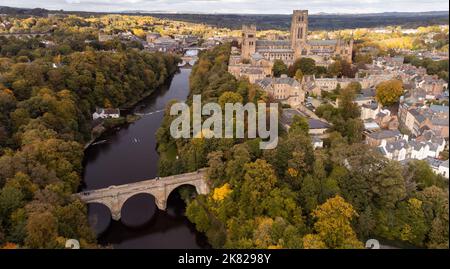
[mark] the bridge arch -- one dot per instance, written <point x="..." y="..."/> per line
<point x="101" y="203"/>
<point x="99" y="217"/>
<point x="126" y="197"/>
<point x="145" y="201"/>
<point x="114" y="197"/>
<point x="171" y="189"/>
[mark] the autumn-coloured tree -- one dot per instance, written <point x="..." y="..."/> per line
<point x="298" y="75"/>
<point x="221" y="193"/>
<point x="389" y="92"/>
<point x="333" y="225"/>
<point x="230" y="97"/>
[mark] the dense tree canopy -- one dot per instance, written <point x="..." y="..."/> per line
<point x="47" y="96"/>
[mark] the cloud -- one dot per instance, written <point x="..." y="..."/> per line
<point x="238" y="6"/>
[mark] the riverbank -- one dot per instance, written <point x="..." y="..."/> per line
<point x="108" y="125"/>
<point x="100" y="129"/>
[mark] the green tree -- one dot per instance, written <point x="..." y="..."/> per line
<point x="299" y="124"/>
<point x="422" y="175"/>
<point x="349" y="109"/>
<point x="259" y="180"/>
<point x="309" y="193"/>
<point x="279" y="68"/>
<point x="11" y="199"/>
<point x="306" y="65"/>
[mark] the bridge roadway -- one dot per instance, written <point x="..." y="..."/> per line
<point x="114" y="197"/>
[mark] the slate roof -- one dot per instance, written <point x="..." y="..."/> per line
<point x="419" y="117"/>
<point x="439" y="109"/>
<point x="257" y="56"/>
<point x="383" y="134"/>
<point x="322" y="42"/>
<point x="276" y="50"/>
<point x="289" y="113"/>
<point x="440" y="121"/>
<point x="397" y="145"/>
<point x="317" y="124"/>
<point x="252" y="71"/>
<point x="365" y="93"/>
<point x="273" y="42"/>
<point x="372" y="105"/>
<point x="266" y="82"/>
<point x="108" y="111"/>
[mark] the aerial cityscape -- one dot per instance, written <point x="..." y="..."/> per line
<point x="351" y="101"/>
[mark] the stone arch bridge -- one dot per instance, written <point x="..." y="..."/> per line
<point x="114" y="197"/>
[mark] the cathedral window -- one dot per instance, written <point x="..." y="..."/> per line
<point x="300" y="33"/>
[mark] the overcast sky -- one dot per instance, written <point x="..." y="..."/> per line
<point x="237" y="6"/>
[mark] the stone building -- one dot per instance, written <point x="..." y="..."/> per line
<point x="284" y="89"/>
<point x="255" y="69"/>
<point x="375" y="139"/>
<point x="257" y="56"/>
<point x="152" y="37"/>
<point x="298" y="46"/>
<point x="418" y="119"/>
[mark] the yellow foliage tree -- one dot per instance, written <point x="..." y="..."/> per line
<point x="333" y="226"/>
<point x="222" y="192"/>
<point x="139" y="32"/>
<point x="292" y="172"/>
<point x="388" y="92"/>
<point x="313" y="241"/>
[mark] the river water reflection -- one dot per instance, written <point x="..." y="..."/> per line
<point x="129" y="155"/>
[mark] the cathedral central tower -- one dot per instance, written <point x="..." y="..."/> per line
<point x="299" y="32"/>
<point x="248" y="41"/>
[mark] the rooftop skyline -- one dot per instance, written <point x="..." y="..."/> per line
<point x="236" y="6"/>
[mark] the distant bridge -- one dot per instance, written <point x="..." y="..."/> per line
<point x="188" y="61"/>
<point x="114" y="197"/>
<point x="194" y="48"/>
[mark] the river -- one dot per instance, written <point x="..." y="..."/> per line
<point x="129" y="155"/>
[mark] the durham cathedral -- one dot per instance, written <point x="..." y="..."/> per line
<point x="257" y="56"/>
